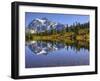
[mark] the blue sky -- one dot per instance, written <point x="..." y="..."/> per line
<point x="61" y="18"/>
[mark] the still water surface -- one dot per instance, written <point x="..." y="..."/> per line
<point x="54" y="54"/>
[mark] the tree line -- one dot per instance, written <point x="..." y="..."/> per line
<point x="75" y="27"/>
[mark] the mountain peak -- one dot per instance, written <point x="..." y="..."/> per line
<point x="42" y="24"/>
<point x="40" y="20"/>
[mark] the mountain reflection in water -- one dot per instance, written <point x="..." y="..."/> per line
<point x="51" y="54"/>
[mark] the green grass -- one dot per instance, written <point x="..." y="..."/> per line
<point x="66" y="36"/>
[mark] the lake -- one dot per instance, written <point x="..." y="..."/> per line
<point x="54" y="54"/>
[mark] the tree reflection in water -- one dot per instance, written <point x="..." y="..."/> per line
<point x="45" y="47"/>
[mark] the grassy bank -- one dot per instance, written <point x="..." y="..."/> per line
<point x="60" y="37"/>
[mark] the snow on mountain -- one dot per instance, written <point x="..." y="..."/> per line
<point x="43" y="24"/>
<point x="41" y="20"/>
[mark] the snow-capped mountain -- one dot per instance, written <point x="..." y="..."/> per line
<point x="43" y="24"/>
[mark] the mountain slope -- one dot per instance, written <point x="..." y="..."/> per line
<point x="43" y="24"/>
